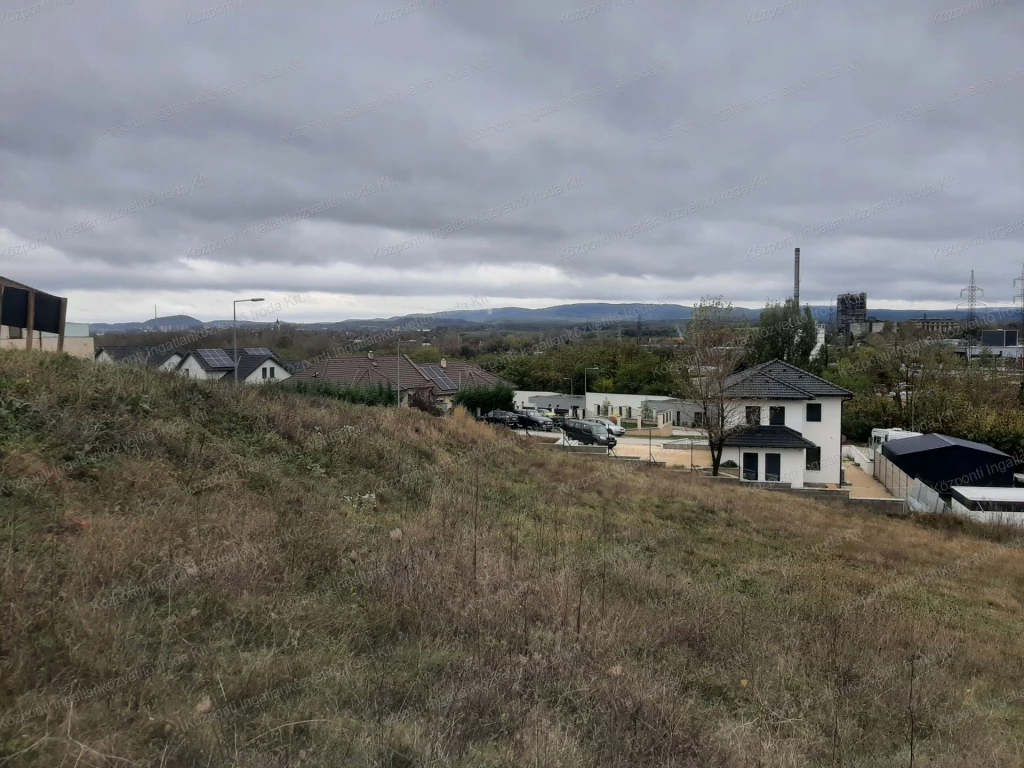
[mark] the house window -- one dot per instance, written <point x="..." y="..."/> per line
<point x="15" y="333"/>
<point x="698" y="418"/>
<point x="814" y="411"/>
<point x="777" y="415"/>
<point x="773" y="467"/>
<point x="272" y="371"/>
<point x="264" y="373"/>
<point x="754" y="415"/>
<point x="814" y="459"/>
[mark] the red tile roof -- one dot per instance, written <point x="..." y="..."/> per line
<point x="364" y="371"/>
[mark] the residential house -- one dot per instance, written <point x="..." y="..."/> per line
<point x="787" y="425"/>
<point x="31" y="319"/>
<point x="439" y="382"/>
<point x="572" y="406"/>
<point x="369" y="371"/>
<point x="450" y="377"/>
<point x="162" y="358"/>
<point x="257" y="365"/>
<point x="664" y="410"/>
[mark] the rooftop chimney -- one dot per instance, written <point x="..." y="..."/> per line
<point x="370" y="354"/>
<point x="796" y="277"/>
<point x="444" y="362"/>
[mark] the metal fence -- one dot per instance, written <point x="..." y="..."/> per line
<point x="918" y="496"/>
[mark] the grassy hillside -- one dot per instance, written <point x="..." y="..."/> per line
<point x="198" y="576"/>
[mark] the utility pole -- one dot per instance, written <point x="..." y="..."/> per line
<point x="234" y="328"/>
<point x="1020" y="342"/>
<point x="972" y="294"/>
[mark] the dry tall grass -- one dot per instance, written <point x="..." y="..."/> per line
<point x="194" y="575"/>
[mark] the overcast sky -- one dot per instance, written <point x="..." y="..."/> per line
<point x="749" y="129"/>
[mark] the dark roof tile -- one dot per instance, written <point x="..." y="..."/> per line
<point x="768" y="437"/>
<point x="778" y="380"/>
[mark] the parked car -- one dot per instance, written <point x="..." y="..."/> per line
<point x="545" y="412"/>
<point x="502" y="418"/>
<point x="533" y="420"/>
<point x="559" y="420"/>
<point x="589" y="434"/>
<point x="611" y="426"/>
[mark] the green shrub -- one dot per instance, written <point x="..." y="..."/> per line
<point x="499" y="397"/>
<point x="375" y="395"/>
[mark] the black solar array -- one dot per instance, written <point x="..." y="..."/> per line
<point x="437" y="373"/>
<point x="257" y="351"/>
<point x="216" y="358"/>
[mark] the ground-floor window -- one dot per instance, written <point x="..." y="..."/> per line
<point x="773" y="467"/>
<point x="814" y="459"/>
<point x="750" y="471"/>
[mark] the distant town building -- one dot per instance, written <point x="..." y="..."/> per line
<point x="939" y="326"/>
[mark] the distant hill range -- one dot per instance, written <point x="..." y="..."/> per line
<point x="563" y="314"/>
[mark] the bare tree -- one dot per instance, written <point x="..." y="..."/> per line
<point x="716" y="351"/>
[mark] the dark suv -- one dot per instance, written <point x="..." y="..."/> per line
<point x="533" y="420"/>
<point x="502" y="418"/>
<point x="588" y="434"/>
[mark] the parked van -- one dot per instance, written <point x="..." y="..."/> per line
<point x="879" y="436"/>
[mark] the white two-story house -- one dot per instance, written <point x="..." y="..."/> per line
<point x="787" y="425"/>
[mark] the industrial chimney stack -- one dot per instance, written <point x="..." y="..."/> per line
<point x="796" y="277"/>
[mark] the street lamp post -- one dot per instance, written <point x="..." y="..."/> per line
<point x="234" y="329"/>
<point x="592" y="368"/>
<point x="398" y="365"/>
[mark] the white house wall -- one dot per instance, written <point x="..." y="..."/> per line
<point x="170" y="364"/>
<point x="617" y="402"/>
<point x="553" y="402"/>
<point x="826" y="434"/>
<point x="256" y="377"/>
<point x="193" y="370"/>
<point x="791" y="463"/>
<point x="522" y="397"/>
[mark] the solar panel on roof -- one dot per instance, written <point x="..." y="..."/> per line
<point x="437" y="373"/>
<point x="216" y="358"/>
<point x="257" y="351"/>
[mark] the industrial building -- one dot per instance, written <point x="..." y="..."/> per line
<point x="850" y="308"/>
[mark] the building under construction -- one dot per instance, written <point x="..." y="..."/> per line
<point x="850" y="308"/>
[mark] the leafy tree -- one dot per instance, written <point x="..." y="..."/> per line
<point x="498" y="397"/>
<point x="784" y="333"/>
<point x="715" y="354"/>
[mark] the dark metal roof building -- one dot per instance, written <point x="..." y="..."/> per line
<point x="943" y="462"/>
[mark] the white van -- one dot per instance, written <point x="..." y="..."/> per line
<point x="879" y="436"/>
